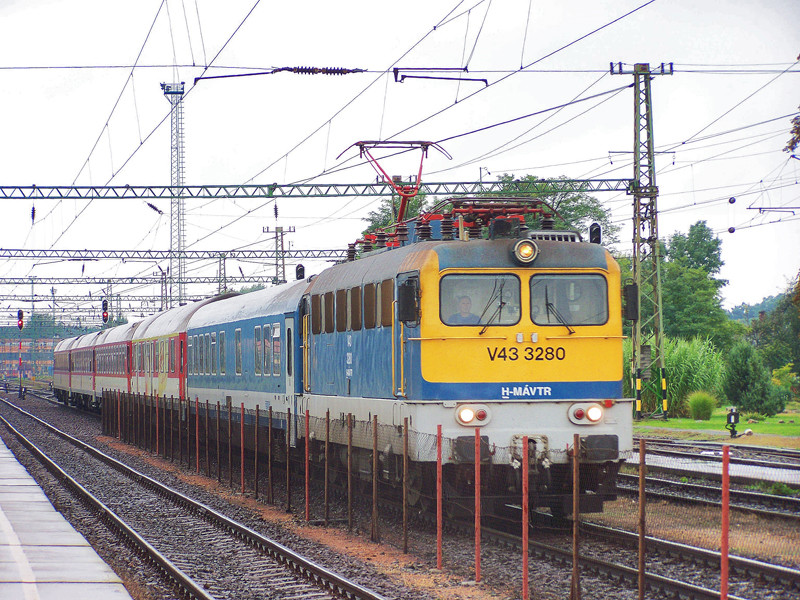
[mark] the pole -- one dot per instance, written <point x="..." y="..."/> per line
<point x="525" y="516"/>
<point x="723" y="550"/>
<point x="270" y="497"/>
<point x="375" y="534"/>
<point x="241" y="446"/>
<point x="288" y="460"/>
<point x="327" y="459"/>
<point x="255" y="458"/>
<point x="197" y="433"/>
<point x="307" y="474"/>
<point x="405" y="485"/>
<point x="477" y="505"/>
<point x="349" y="471"/>
<point x="575" y="593"/>
<point x="642" y="515"/>
<point x="439" y="497"/>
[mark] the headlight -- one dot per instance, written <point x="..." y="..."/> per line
<point x="585" y="413"/>
<point x="475" y="415"/>
<point x="594" y="413"/>
<point x="525" y="251"/>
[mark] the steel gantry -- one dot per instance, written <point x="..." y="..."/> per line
<point x="310" y="190"/>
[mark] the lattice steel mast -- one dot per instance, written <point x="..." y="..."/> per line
<point x="648" y="339"/>
<point x="177" y="238"/>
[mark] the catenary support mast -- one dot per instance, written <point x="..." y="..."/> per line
<point x="177" y="263"/>
<point x="648" y="339"/>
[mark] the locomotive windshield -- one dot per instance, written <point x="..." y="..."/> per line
<point x="569" y="300"/>
<point x="491" y="299"/>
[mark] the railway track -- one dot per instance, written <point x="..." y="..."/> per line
<point x="767" y="505"/>
<point x="205" y="554"/>
<point x="756" y="456"/>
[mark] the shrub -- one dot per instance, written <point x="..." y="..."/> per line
<point x="748" y="383"/>
<point x="701" y="405"/>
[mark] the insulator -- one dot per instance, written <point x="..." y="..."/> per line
<point x="380" y="242"/>
<point x="447" y="228"/>
<point x="366" y="246"/>
<point x="424" y="230"/>
<point x="351" y="252"/>
<point x="402" y="233"/>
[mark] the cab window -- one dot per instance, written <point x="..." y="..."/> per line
<point x="490" y="299"/>
<point x="569" y="299"/>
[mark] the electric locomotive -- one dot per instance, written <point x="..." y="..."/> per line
<point x="462" y="320"/>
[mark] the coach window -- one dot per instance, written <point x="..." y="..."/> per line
<point x="213" y="352"/>
<point x="328" y="312"/>
<point x="491" y="299"/>
<point x="237" y="349"/>
<point x="208" y="353"/>
<point x="268" y="349"/>
<point x="191" y="353"/>
<point x="257" y="350"/>
<point x="197" y="355"/>
<point x="369" y="306"/>
<point x="569" y="299"/>
<point x="172" y="355"/>
<point x="201" y="358"/>
<point x="354" y="300"/>
<point x="387" y="298"/>
<point x="222" y="357"/>
<point x="276" y="349"/>
<point x="341" y="310"/>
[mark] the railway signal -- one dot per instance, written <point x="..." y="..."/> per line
<point x="105" y="311"/>
<point x="20" y="319"/>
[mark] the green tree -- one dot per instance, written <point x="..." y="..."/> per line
<point x="576" y="210"/>
<point x="699" y="249"/>
<point x="776" y="334"/>
<point x="386" y="213"/>
<point x="691" y="306"/>
<point x="748" y="383"/>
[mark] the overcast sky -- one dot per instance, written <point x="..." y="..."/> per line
<point x="74" y="110"/>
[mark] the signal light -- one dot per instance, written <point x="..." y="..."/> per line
<point x="20" y="320"/>
<point x="105" y="311"/>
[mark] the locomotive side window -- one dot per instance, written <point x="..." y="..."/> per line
<point x="369" y="306"/>
<point x="257" y="350"/>
<point x="237" y="349"/>
<point x="491" y="299"/>
<point x="222" y="357"/>
<point x="328" y="312"/>
<point x="387" y="297"/>
<point x="354" y="299"/>
<point x="569" y="299"/>
<point x="267" y="349"/>
<point x="316" y="314"/>
<point x="341" y="310"/>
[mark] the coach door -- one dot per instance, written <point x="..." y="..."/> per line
<point x="289" y="373"/>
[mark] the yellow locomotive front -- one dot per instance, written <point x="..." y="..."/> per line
<point x="523" y="337"/>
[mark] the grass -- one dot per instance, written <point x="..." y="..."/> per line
<point x="769" y="432"/>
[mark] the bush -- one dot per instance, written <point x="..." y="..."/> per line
<point x="748" y="384"/>
<point x="701" y="405"/>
